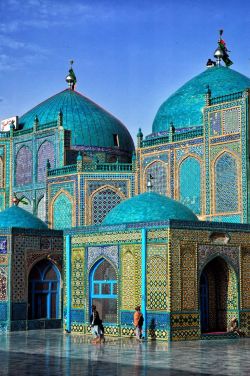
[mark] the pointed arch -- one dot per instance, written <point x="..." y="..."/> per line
<point x="62" y="211"/>
<point x="44" y="290"/>
<point x="218" y="286"/>
<point x="189" y="182"/>
<point x="157" y="169"/>
<point x="24" y="166"/>
<point x="103" y="289"/>
<point x="45" y="152"/>
<point x="226" y="183"/>
<point x="101" y="201"/>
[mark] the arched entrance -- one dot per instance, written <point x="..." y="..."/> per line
<point x="103" y="290"/>
<point x="44" y="291"/>
<point x="218" y="295"/>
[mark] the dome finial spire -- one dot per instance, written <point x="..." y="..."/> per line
<point x="71" y="77"/>
<point x="221" y="52"/>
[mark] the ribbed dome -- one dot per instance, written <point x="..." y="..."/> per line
<point x="148" y="207"/>
<point x="90" y="124"/>
<point x="184" y="107"/>
<point x="18" y="217"/>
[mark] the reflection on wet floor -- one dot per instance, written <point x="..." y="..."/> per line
<point x="52" y="352"/>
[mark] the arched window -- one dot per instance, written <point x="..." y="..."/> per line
<point x="24" y="166"/>
<point x="156" y="171"/>
<point x="44" y="291"/>
<point x="156" y="283"/>
<point x="103" y="282"/>
<point x="102" y="202"/>
<point x="45" y="152"/>
<point x="41" y="209"/>
<point x="62" y="212"/>
<point x="190" y="184"/>
<point x="1" y="173"/>
<point x="226" y="184"/>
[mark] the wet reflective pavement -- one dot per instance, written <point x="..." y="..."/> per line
<point x="52" y="352"/>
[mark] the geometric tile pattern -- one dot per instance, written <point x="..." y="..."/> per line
<point x="226" y="184"/>
<point x="130" y="276"/>
<point x="62" y="212"/>
<point x="156" y="283"/>
<point x="245" y="278"/>
<point x="95" y="253"/>
<point x="102" y="203"/>
<point x="129" y="281"/>
<point x="188" y="276"/>
<point x="3" y="311"/>
<point x="3" y="283"/>
<point x="24" y="166"/>
<point x="190" y="184"/>
<point x="78" y="275"/>
<point x="231" y="120"/>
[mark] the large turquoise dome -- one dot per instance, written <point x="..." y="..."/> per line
<point x="18" y="217"/>
<point x="148" y="207"/>
<point x="184" y="107"/>
<point x="90" y="124"/>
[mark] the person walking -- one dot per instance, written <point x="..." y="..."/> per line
<point x="138" y="323"/>
<point x="95" y="322"/>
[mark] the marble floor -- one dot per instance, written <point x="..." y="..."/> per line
<point x="52" y="352"/>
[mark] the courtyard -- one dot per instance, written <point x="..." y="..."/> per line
<point x="52" y="352"/>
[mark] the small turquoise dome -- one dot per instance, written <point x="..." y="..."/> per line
<point x="184" y="107"/>
<point x="18" y="217"/>
<point x="148" y="207"/>
<point x="90" y="124"/>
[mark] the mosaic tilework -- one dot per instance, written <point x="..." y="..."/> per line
<point x="129" y="281"/>
<point x="215" y="123"/>
<point x="188" y="276"/>
<point x="206" y="252"/>
<point x="226" y="184"/>
<point x="185" y="334"/>
<point x="158" y="171"/>
<point x="93" y="185"/>
<point x="245" y="278"/>
<point x="102" y="203"/>
<point x="45" y="152"/>
<point x="130" y="276"/>
<point x="62" y="212"/>
<point x="190" y="184"/>
<point x="24" y="166"/>
<point x="3" y="283"/>
<point x="156" y="283"/>
<point x="108" y="252"/>
<point x="245" y="322"/>
<point x="78" y="275"/>
<point x="231" y="120"/>
<point x="3" y="244"/>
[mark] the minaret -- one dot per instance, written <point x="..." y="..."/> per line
<point x="71" y="77"/>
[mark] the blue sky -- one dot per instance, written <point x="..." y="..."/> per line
<point x="129" y="55"/>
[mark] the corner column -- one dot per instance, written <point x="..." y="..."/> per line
<point x="144" y="279"/>
<point x="68" y="283"/>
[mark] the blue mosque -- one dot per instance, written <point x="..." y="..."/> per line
<point x="89" y="218"/>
